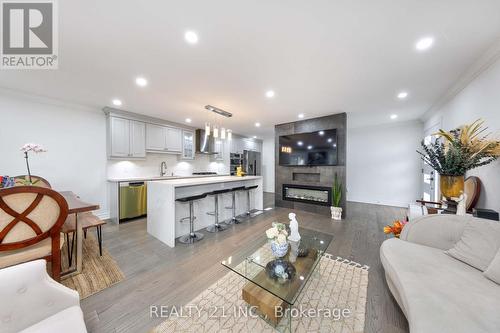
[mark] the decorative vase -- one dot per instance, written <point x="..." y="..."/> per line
<point x="451" y="186"/>
<point x="279" y="250"/>
<point x="336" y="213"/>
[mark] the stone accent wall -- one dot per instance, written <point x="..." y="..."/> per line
<point x="298" y="175"/>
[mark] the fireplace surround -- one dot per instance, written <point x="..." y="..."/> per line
<point x="317" y="195"/>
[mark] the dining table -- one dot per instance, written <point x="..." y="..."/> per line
<point x="76" y="206"/>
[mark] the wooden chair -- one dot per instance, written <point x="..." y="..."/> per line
<point x="37" y="181"/>
<point x="473" y="190"/>
<point x="31" y="218"/>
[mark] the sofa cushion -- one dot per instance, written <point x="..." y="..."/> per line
<point x="493" y="271"/>
<point x="68" y="320"/>
<point x="439" y="293"/>
<point x="479" y="243"/>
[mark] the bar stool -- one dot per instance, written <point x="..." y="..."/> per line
<point x="192" y="237"/>
<point x="248" y="189"/>
<point x="216" y="227"/>
<point x="233" y="219"/>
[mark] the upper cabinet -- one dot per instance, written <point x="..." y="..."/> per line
<point x="163" y="139"/>
<point x="239" y="144"/>
<point x="126" y="138"/>
<point x="188" y="145"/>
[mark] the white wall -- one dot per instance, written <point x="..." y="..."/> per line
<point x="480" y="99"/>
<point x="382" y="164"/>
<point x="74" y="136"/>
<point x="268" y="163"/>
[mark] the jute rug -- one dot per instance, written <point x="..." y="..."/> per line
<point x="338" y="284"/>
<point x="98" y="272"/>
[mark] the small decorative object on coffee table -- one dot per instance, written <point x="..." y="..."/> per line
<point x="277" y="234"/>
<point x="395" y="228"/>
<point x="294" y="228"/>
<point x="280" y="270"/>
<point x="336" y="210"/>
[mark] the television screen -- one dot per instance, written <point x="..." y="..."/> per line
<point x="315" y="148"/>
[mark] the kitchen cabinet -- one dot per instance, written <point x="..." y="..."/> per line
<point x="126" y="138"/>
<point x="239" y="144"/>
<point x="188" y="142"/>
<point x="163" y="139"/>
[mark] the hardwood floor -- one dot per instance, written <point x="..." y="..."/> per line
<point x="159" y="275"/>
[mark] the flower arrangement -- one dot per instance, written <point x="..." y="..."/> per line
<point x="35" y="148"/>
<point x="396" y="228"/>
<point x="459" y="150"/>
<point x="6" y="181"/>
<point x="277" y="233"/>
<point x="278" y="237"/>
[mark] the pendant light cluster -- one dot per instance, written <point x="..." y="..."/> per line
<point x="215" y="130"/>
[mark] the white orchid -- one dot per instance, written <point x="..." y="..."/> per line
<point x="272" y="233"/>
<point x="34" y="147"/>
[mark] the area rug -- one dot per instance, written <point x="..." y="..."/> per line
<point x="337" y="284"/>
<point x="98" y="272"/>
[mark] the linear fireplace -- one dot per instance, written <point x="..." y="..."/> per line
<point x="318" y="195"/>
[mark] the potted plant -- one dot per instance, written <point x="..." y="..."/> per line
<point x="455" y="152"/>
<point x="336" y="197"/>
<point x="30" y="147"/>
<point x="277" y="236"/>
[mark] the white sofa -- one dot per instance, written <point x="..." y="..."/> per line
<point x="436" y="292"/>
<point x="31" y="301"/>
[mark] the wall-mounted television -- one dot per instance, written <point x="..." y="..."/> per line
<point x="308" y="149"/>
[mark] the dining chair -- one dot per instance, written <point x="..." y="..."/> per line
<point x="31" y="218"/>
<point x="23" y="180"/>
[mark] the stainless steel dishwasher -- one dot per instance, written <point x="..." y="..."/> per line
<point x="133" y="200"/>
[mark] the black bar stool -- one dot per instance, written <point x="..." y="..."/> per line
<point x="192" y="237"/>
<point x="248" y="189"/>
<point x="216" y="227"/>
<point x="233" y="219"/>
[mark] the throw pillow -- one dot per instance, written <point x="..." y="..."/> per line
<point x="479" y="243"/>
<point x="493" y="271"/>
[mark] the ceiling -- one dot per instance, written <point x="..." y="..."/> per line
<point x="320" y="57"/>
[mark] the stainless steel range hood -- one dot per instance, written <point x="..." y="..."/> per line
<point x="204" y="144"/>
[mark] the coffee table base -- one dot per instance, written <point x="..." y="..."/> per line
<point x="267" y="304"/>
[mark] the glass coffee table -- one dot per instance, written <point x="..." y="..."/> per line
<point x="273" y="298"/>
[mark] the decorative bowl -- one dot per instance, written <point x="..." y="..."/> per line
<point x="280" y="270"/>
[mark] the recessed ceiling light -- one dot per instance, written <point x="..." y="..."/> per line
<point x="321" y="132"/>
<point x="301" y="116"/>
<point x="255" y="136"/>
<point x="270" y="93"/>
<point x="424" y="44"/>
<point x="330" y="140"/>
<point x="309" y="147"/>
<point x="334" y="145"/>
<point x="188" y="120"/>
<point x="300" y="143"/>
<point x="141" y="82"/>
<point x="117" y="102"/>
<point x="402" y="95"/>
<point x="257" y="124"/>
<point x="191" y="37"/>
<point x="394" y="116"/>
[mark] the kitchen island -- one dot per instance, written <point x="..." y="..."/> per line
<point x="164" y="213"/>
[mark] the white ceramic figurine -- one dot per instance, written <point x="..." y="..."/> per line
<point x="294" y="228"/>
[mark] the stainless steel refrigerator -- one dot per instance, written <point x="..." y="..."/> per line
<point x="252" y="163"/>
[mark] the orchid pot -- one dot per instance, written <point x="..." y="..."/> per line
<point x="277" y="236"/>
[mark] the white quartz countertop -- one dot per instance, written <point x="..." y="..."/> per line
<point x="139" y="179"/>
<point x="206" y="180"/>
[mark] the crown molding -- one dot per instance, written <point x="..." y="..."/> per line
<point x="490" y="57"/>
<point x="34" y="98"/>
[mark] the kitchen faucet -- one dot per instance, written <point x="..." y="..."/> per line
<point x="163" y="169"/>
